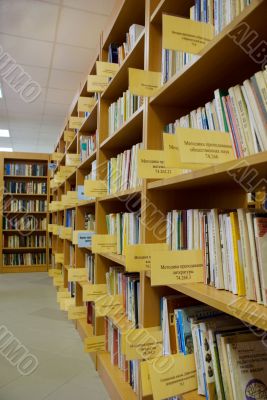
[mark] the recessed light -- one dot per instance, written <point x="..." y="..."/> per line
<point x="1" y="92"/>
<point x="6" y="149"/>
<point x="4" y="133"/>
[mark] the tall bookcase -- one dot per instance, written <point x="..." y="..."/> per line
<point x="20" y="188"/>
<point x="221" y="64"/>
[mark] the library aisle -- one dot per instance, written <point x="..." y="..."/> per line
<point x="34" y="318"/>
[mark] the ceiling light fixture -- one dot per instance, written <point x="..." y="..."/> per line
<point x="4" y="133"/>
<point x="9" y="149"/>
<point x="1" y="92"/>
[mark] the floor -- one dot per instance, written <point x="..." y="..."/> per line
<point x="29" y="310"/>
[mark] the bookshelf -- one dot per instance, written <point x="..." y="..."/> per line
<point x="176" y="98"/>
<point x="29" y="227"/>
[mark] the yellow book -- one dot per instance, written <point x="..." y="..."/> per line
<point x="125" y="232"/>
<point x="241" y="289"/>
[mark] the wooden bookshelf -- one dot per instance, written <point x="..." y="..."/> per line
<point x="186" y="90"/>
<point x="23" y="158"/>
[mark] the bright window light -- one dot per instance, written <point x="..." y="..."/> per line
<point x="4" y="133"/>
<point x="1" y="93"/>
<point x="6" y="149"/>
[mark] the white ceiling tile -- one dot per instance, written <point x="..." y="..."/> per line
<point x="65" y="80"/>
<point x="27" y="51"/>
<point x="97" y="6"/>
<point x="28" y="18"/>
<point x="38" y="74"/>
<point x="86" y="33"/>
<point x="60" y="96"/>
<point x="27" y="147"/>
<point x="19" y="107"/>
<point x="55" y="109"/>
<point x="72" y="58"/>
<point x="51" y="127"/>
<point x="9" y="93"/>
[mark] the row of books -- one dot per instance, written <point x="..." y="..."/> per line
<point x="113" y="345"/>
<point x="233" y="245"/>
<point x="121" y="110"/>
<point x="87" y="146"/>
<point x="28" y="222"/>
<point x="126" y="227"/>
<point x="37" y="258"/>
<point x="17" y="205"/>
<point x="231" y="358"/>
<point x="70" y="218"/>
<point x="127" y="285"/>
<point x="89" y="222"/>
<point x="241" y="111"/>
<point x="24" y="241"/>
<point x="92" y="174"/>
<point x="22" y="169"/>
<point x="118" y="53"/>
<point x="29" y="187"/>
<point x="122" y="171"/>
<point x="216" y="12"/>
<point x="72" y="289"/>
<point x="90" y="266"/>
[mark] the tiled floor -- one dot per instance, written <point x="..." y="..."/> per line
<point x="29" y="310"/>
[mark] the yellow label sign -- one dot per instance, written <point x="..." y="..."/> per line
<point x="104" y="244"/>
<point x="66" y="169"/>
<point x="106" y="304"/>
<point x="97" y="84"/>
<point x="107" y="69"/>
<point x="172" y="267"/>
<point x="73" y="159"/>
<point x="69" y="136"/>
<point x="58" y="280"/>
<point x="54" y="272"/>
<point x="183" y="34"/>
<point x="57" y="156"/>
<point x="151" y="165"/>
<point x="138" y="256"/>
<point x="63" y="295"/>
<point x="93" y="292"/>
<point x="200" y="146"/>
<point x="77" y="312"/>
<point x="77" y="274"/>
<point x="172" y="154"/>
<point x="65" y="304"/>
<point x="172" y="375"/>
<point x="142" y="344"/>
<point x="76" y="234"/>
<point x="94" y="344"/>
<point x="145" y="379"/>
<point x="50" y="227"/>
<point x="59" y="258"/>
<point x="55" y="229"/>
<point x="86" y="104"/>
<point x="76" y="122"/>
<point x="144" y="83"/>
<point x="95" y="188"/>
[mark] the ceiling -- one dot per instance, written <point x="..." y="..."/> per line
<point x="54" y="41"/>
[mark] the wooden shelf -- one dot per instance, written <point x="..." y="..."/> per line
<point x="25" y="177"/>
<point x="117" y="258"/>
<point x="222" y="174"/>
<point x="87" y="163"/>
<point x="90" y="124"/>
<point x="72" y="147"/>
<point x="128" y="134"/>
<point x="180" y="8"/>
<point x="23" y="230"/>
<point x="120" y="195"/>
<point x="25" y="194"/>
<point x="113" y="379"/>
<point x="23" y="248"/>
<point x="84" y="328"/>
<point x="119" y="83"/>
<point x="87" y="203"/>
<point x="181" y="89"/>
<point x="23" y="268"/>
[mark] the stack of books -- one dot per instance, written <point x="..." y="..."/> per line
<point x="122" y="171"/>
<point x="17" y="205"/>
<point x="233" y="245"/>
<point x="24" y="223"/>
<point x="90" y="266"/>
<point x="92" y="174"/>
<point x="17" y="259"/>
<point x="14" y="241"/>
<point x="132" y="36"/>
<point x="87" y="145"/>
<point x="241" y="111"/>
<point x="126" y="226"/>
<point x="217" y="13"/>
<point x="22" y="169"/>
<point x="122" y="109"/>
<point x="29" y="187"/>
<point x="70" y="218"/>
<point x="89" y="222"/>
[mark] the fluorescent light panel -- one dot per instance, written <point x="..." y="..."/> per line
<point x="4" y="133"/>
<point x="9" y="149"/>
<point x="1" y="93"/>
